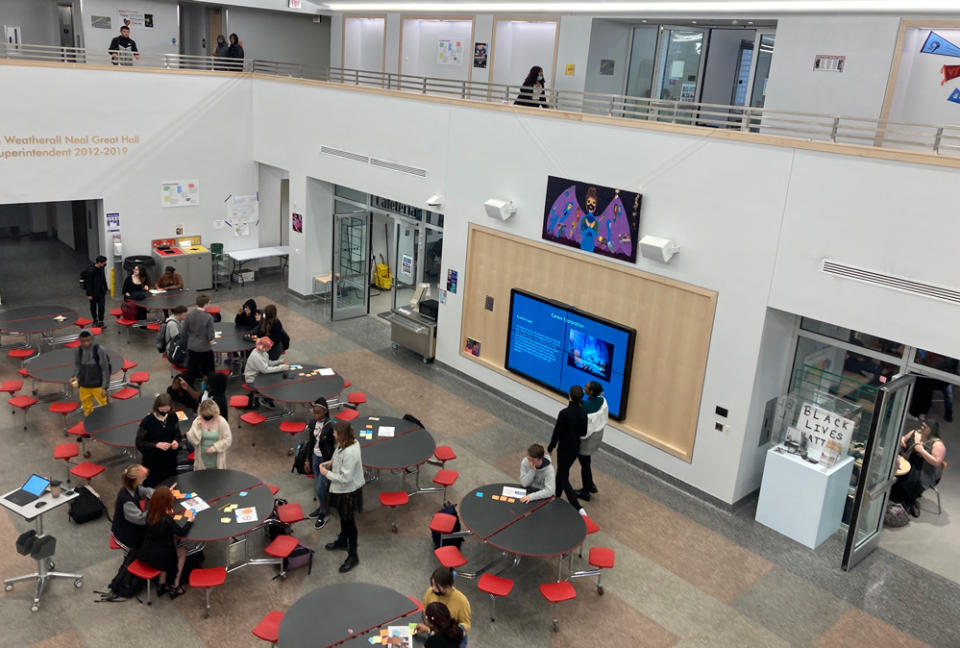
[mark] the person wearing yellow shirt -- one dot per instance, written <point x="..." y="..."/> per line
<point x="441" y="590"/>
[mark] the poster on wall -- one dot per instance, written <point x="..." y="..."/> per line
<point x="113" y="222"/>
<point x="180" y="193"/>
<point x="100" y="22"/>
<point x="449" y="52"/>
<point x="827" y="434"/>
<point x="592" y="218"/>
<point x="949" y="72"/>
<point x="406" y="266"/>
<point x="132" y="19"/>
<point x="297" y="221"/>
<point x="688" y="92"/>
<point x="480" y="55"/>
<point x="452" y="281"/>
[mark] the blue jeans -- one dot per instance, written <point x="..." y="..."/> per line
<point x="320" y="482"/>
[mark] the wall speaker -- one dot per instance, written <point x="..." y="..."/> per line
<point x="658" y="249"/>
<point x="502" y="209"/>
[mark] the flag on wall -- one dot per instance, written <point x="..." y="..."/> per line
<point x="937" y="44"/>
<point x="950" y="72"/>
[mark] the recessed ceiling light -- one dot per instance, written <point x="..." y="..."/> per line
<point x="643" y="21"/>
<point x="734" y="22"/>
<point x="693" y="22"/>
<point x="749" y="22"/>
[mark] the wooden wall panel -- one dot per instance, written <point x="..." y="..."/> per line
<point x="673" y="322"/>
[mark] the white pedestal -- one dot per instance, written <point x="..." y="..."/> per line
<point x="801" y="500"/>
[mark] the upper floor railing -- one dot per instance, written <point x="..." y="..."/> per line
<point x="928" y="138"/>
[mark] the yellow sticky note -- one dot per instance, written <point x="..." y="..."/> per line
<point x="177" y="517"/>
<point x="511" y="500"/>
<point x="225" y="520"/>
<point x="570" y="69"/>
<point x="496" y="497"/>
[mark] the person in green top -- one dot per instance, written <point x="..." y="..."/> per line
<point x="595" y="405"/>
<point x="210" y="436"/>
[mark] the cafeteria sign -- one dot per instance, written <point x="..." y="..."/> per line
<point x="820" y="426"/>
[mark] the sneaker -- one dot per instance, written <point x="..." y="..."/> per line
<point x="317" y="513"/>
<point x="320" y="523"/>
<point x="582" y="512"/>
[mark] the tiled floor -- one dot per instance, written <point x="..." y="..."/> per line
<point x="687" y="573"/>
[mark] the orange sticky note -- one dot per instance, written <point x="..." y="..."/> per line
<point x="177" y="517"/>
<point x="384" y="632"/>
<point x="496" y="497"/>
<point x="511" y="500"/>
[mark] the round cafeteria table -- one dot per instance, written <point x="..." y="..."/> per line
<point x="116" y="423"/>
<point x="168" y="300"/>
<point x="57" y="366"/>
<point x="231" y="339"/>
<point x="298" y="385"/>
<point x="410" y="445"/>
<point x="221" y="488"/>
<point x="332" y="614"/>
<point x="36" y="319"/>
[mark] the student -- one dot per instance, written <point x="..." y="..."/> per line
<point x="571" y="425"/>
<point x="158" y="439"/>
<point x="160" y="549"/>
<point x="182" y="393"/>
<point x="345" y="474"/>
<point x="199" y="334"/>
<point x="259" y="362"/>
<point x="597" y="411"/>
<point x="531" y="92"/>
<point x="174" y="324"/>
<point x="270" y="326"/>
<point x="445" y="632"/>
<point x="321" y="435"/>
<point x="248" y="316"/>
<point x="129" y="520"/>
<point x="122" y="47"/>
<point x="170" y="279"/>
<point x="537" y="472"/>
<point x="137" y="283"/>
<point x="91" y="371"/>
<point x="221" y="51"/>
<point x="235" y="51"/>
<point x="95" y="285"/>
<point x="441" y="590"/>
<point x="214" y="387"/>
<point x="210" y="436"/>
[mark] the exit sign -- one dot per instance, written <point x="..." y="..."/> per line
<point x="294" y="4"/>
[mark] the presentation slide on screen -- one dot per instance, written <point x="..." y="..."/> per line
<point x="560" y="348"/>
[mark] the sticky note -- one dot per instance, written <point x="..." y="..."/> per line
<point x="496" y="497"/>
<point x="374" y="418"/>
<point x="225" y="520"/>
<point x="384" y="632"/>
<point x="479" y="494"/>
<point x="510" y="500"/>
<point x="243" y="493"/>
<point x="177" y="517"/>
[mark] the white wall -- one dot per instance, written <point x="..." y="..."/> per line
<point x="608" y="40"/>
<point x="573" y="47"/>
<point x="37" y="20"/>
<point x="482" y="33"/>
<point x="363" y="40"/>
<point x="164" y="37"/>
<point x="195" y="31"/>
<point x="519" y="46"/>
<point x="280" y="36"/>
<point x="421" y="39"/>
<point x="268" y="181"/>
<point x="867" y="42"/>
<point x="919" y="95"/>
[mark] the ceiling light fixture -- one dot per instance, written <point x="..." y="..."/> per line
<point x="662" y="7"/>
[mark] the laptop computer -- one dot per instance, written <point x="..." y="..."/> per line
<point x="31" y="490"/>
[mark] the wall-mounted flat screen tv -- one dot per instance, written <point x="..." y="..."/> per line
<point x="558" y="346"/>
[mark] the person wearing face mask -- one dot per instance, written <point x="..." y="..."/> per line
<point x="210" y="435"/>
<point x="158" y="439"/>
<point x="589" y="226"/>
<point x="532" y="93"/>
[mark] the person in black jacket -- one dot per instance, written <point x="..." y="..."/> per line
<point x="129" y="520"/>
<point x="158" y="440"/>
<point x="270" y="326"/>
<point x="248" y="316"/>
<point x="532" y="93"/>
<point x="571" y="425"/>
<point x="95" y="285"/>
<point x="321" y="437"/>
<point x="160" y="549"/>
<point x="235" y="52"/>
<point x="123" y="49"/>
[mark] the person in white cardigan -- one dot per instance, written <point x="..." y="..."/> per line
<point x="597" y="412"/>
<point x="211" y="437"/>
<point x="345" y="474"/>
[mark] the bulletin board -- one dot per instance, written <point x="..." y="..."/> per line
<point x="674" y="322"/>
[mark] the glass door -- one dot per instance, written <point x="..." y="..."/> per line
<point x="643" y="60"/>
<point x="351" y="262"/>
<point x="409" y="252"/>
<point x="763" y="55"/>
<point x="876" y="472"/>
<point x="680" y="63"/>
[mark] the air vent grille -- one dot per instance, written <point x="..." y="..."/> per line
<point x="365" y="159"/>
<point x="402" y="168"/>
<point x="347" y="155"/>
<point x="893" y="282"/>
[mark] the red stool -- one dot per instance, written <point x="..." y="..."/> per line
<point x="443" y="454"/>
<point x="138" y="378"/>
<point x="82" y="322"/>
<point x="125" y="393"/>
<point x="24" y="403"/>
<point x="66" y="452"/>
<point x="273" y="489"/>
<point x="114" y="544"/>
<point x="95" y="330"/>
<point x="126" y="323"/>
<point x="356" y="398"/>
<point x="394" y="501"/>
<point x="86" y="470"/>
<point x="116" y="312"/>
<point x="557" y="593"/>
<point x="494" y="586"/>
<point x="127" y="366"/>
<point x="445" y="478"/>
<point x="64" y="409"/>
<point x="346" y="415"/>
<point x="240" y="401"/>
<point x="81" y="433"/>
<point x="293" y="428"/>
<point x="450" y="556"/>
<point x="11" y="386"/>
<point x="269" y="627"/>
<point x="281" y="548"/>
<point x="443" y="523"/>
<point x="21" y="354"/>
<point x="206" y="579"/>
<point x="290" y="513"/>
<point x="591" y="529"/>
<point x="253" y="419"/>
<point x="154" y="326"/>
<point x="72" y="344"/>
<point x="146" y="572"/>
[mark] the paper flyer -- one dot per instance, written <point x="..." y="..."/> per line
<point x="195" y="504"/>
<point x="510" y="491"/>
<point x="248" y="514"/>
<point x="385" y="431"/>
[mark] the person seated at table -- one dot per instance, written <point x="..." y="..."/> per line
<point x="137" y="283"/>
<point x="538" y="473"/>
<point x="259" y="362"/>
<point x="129" y="519"/>
<point x="442" y="591"/>
<point x="214" y="387"/>
<point x="158" y="439"/>
<point x="182" y="393"/>
<point x="91" y="372"/>
<point x="248" y="316"/>
<point x="345" y="474"/>
<point x="320" y="428"/>
<point x="160" y="548"/>
<point x="925" y="450"/>
<point x="271" y="327"/>
<point x="445" y="632"/>
<point x="170" y="279"/>
<point x="210" y="436"/>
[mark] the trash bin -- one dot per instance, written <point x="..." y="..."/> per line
<point x="139" y="259"/>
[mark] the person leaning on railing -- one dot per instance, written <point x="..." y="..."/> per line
<point x="122" y="46"/>
<point x="532" y="93"/>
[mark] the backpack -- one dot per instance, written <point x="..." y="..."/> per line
<point x="124" y="584"/>
<point x="177" y="351"/>
<point x="302" y="555"/>
<point x="86" y="506"/>
<point x="302" y="458"/>
<point x="449" y="509"/>
<point x="895" y="516"/>
<point x="129" y="310"/>
<point x="162" y="335"/>
<point x="96" y="358"/>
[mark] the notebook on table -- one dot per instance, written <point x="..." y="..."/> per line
<point x="31" y="490"/>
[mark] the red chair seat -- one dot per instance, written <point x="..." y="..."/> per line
<point x="143" y="570"/>
<point x="192" y="456"/>
<point x="11" y="386"/>
<point x="290" y="513"/>
<point x="24" y="373"/>
<point x="125" y="393"/>
<point x="128" y="365"/>
<point x="273" y="489"/>
<point x="253" y="418"/>
<point x="443" y="523"/>
<point x="356" y="398"/>
<point x="347" y="415"/>
<point x="398" y="498"/>
<point x="223" y="372"/>
<point x="346" y="384"/>
<point x="116" y="312"/>
<point x="77" y="430"/>
<point x="247" y="387"/>
<point x="269" y="627"/>
<point x="282" y="546"/>
<point x="95" y="330"/>
<point x="23" y="402"/>
<point x="446" y="477"/>
<point x="495" y="585"/>
<point x="87" y="470"/>
<point x="20" y="354"/>
<point x="213" y="310"/>
<point x="239" y="401"/>
<point x="82" y="321"/>
<point x="450" y="556"/>
<point x="123" y="321"/>
<point x="444" y="453"/>
<point x="591" y="526"/>
<point x="292" y="427"/>
<point x="113" y="543"/>
<point x="208" y="577"/>
<point x="73" y="344"/>
<point x="558" y="592"/>
<point x="63" y="408"/>
<point x="154" y="326"/>
<point x="601" y="557"/>
<point x="66" y="451"/>
<point x="139" y="377"/>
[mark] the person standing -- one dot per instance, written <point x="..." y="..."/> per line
<point x="158" y="440"/>
<point x="160" y="548"/>
<point x="235" y="53"/>
<point x="345" y="474"/>
<point x="123" y="49"/>
<point x="220" y="52"/>
<point x="95" y="285"/>
<point x="210" y="436"/>
<point x="571" y="425"/>
<point x="597" y="411"/>
<point x="198" y="331"/>
<point x="91" y="372"/>
<point x="321" y="433"/>
<point x="532" y="93"/>
<point x="129" y="520"/>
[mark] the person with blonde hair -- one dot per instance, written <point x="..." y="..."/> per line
<point x="129" y="520"/>
<point x="345" y="474"/>
<point x="211" y="437"/>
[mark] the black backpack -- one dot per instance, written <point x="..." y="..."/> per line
<point x="449" y="509"/>
<point x="86" y="506"/>
<point x="302" y="457"/>
<point x="124" y="584"/>
<point x="162" y="336"/>
<point x="177" y="351"/>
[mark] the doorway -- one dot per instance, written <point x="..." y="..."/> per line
<point x="351" y="261"/>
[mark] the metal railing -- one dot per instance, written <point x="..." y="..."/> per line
<point x="927" y="138"/>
